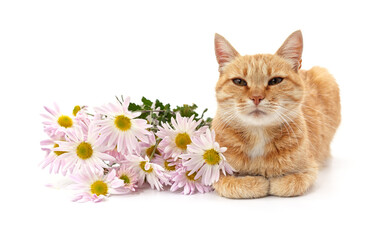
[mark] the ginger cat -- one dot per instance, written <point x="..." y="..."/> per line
<point x="277" y="121"/>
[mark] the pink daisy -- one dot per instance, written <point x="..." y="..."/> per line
<point x="81" y="117"/>
<point x="52" y="156"/>
<point x="146" y="148"/>
<point x="183" y="179"/>
<point x="169" y="164"/>
<point x="118" y="157"/>
<point x="119" y="127"/>
<point x="205" y="157"/>
<point x="83" y="151"/>
<point x="129" y="178"/>
<point x="154" y="174"/>
<point x="177" y="137"/>
<point x="57" y="123"/>
<point x="80" y="111"/>
<point x="95" y="186"/>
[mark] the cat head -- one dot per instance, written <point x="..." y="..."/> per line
<point x="262" y="89"/>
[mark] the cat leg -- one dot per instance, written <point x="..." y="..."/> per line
<point x="292" y="184"/>
<point x="242" y="187"/>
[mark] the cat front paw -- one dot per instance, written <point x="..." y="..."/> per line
<point x="242" y="187"/>
<point x="292" y="185"/>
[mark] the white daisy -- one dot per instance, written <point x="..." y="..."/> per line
<point x="154" y="174"/>
<point x="95" y="186"/>
<point x="205" y="157"/>
<point x="82" y="152"/>
<point x="176" y="139"/>
<point x="57" y="123"/>
<point x="52" y="157"/>
<point x="129" y="178"/>
<point x="147" y="147"/>
<point x="119" y="127"/>
<point x="183" y="179"/>
<point x="169" y="164"/>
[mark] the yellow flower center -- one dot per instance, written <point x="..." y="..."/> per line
<point x="65" y="121"/>
<point x="169" y="167"/>
<point x="150" y="150"/>
<point x="211" y="157"/>
<point x="76" y="110"/>
<point x="125" y="179"/>
<point x="182" y="140"/>
<point x="142" y="165"/>
<point x="84" y="150"/>
<point x="122" y="122"/>
<point x="192" y="176"/>
<point x="99" y="187"/>
<point x="58" y="153"/>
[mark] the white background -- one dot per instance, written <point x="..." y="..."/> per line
<point x="86" y="52"/>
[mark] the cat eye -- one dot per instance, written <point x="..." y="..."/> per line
<point x="275" y="81"/>
<point x="239" y="82"/>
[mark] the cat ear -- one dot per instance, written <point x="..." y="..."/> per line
<point x="225" y="53"/>
<point x="292" y="49"/>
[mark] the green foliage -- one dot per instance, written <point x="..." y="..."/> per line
<point x="157" y="112"/>
<point x="187" y="111"/>
<point x="134" y="107"/>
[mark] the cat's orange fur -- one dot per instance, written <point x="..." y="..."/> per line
<point x="277" y="146"/>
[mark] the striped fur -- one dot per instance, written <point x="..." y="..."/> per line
<point x="278" y="149"/>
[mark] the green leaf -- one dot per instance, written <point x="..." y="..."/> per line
<point x="134" y="107"/>
<point x="186" y="110"/>
<point x="146" y="102"/>
<point x="165" y="113"/>
<point x="159" y="105"/>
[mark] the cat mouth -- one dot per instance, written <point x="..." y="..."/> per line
<point x="257" y="113"/>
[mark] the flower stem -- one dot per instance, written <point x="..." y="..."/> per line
<point x="118" y="100"/>
<point x="155" y="148"/>
<point x="151" y="111"/>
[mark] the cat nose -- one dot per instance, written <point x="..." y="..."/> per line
<point x="256" y="99"/>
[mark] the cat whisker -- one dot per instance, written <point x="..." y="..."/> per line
<point x="296" y="125"/>
<point x="307" y="117"/>
<point x="315" y="121"/>
<point x="229" y="117"/>
<point x="296" y="114"/>
<point x="287" y="123"/>
<point x="316" y="110"/>
<point x="276" y="115"/>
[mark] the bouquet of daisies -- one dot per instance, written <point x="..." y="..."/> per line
<point x="124" y="146"/>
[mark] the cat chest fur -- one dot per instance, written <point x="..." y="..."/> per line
<point x="257" y="144"/>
